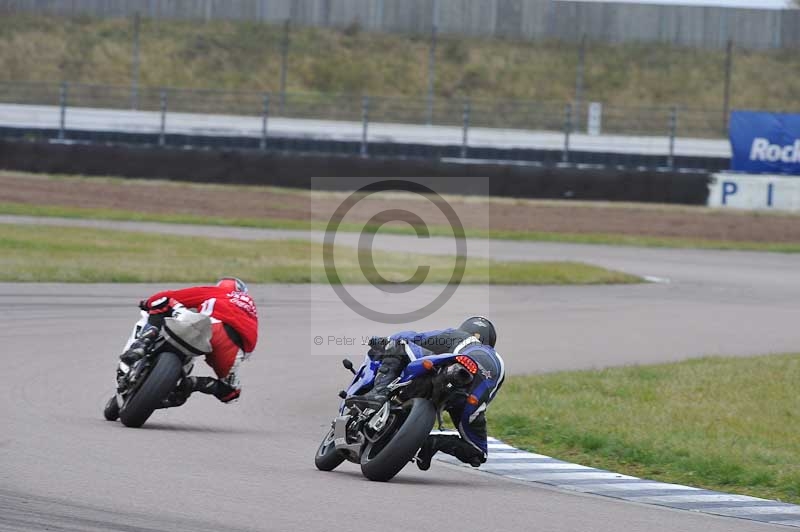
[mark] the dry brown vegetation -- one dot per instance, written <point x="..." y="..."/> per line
<point x="246" y="56"/>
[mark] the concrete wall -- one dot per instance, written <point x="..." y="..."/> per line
<point x="565" y="20"/>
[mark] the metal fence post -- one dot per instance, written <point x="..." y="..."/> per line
<point x="726" y="101"/>
<point x="673" y="127"/>
<point x="135" y="64"/>
<point x="62" y="102"/>
<point x="264" y="118"/>
<point x="378" y="16"/>
<point x="365" y="123"/>
<point x="464" y="138"/>
<point x="579" y="74"/>
<point x="284" y="64"/>
<point x="432" y="60"/>
<point x="567" y="131"/>
<point x="162" y="134"/>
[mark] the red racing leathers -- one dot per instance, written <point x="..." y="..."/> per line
<point x="236" y="310"/>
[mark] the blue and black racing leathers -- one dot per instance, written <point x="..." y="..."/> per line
<point x="470" y="419"/>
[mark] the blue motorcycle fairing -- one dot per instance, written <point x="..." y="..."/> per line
<point x="363" y="378"/>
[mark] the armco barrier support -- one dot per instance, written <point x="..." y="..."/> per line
<point x="298" y="170"/>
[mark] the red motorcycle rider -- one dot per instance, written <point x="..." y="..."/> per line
<point x="234" y="334"/>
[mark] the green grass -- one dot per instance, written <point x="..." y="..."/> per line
<point x="274" y="223"/>
<point x="728" y="424"/>
<point x="57" y="211"/>
<point x="246" y="56"/>
<point x="99" y="255"/>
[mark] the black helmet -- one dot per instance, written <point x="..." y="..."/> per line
<point x="233" y="284"/>
<point x="478" y="324"/>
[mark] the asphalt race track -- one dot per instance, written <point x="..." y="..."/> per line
<point x="249" y="466"/>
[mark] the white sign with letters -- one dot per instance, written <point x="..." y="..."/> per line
<point x="754" y="192"/>
<point x="595" y="118"/>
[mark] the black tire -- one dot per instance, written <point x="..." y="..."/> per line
<point x="163" y="379"/>
<point x="381" y="462"/>
<point x="111" y="411"/>
<point x="328" y="458"/>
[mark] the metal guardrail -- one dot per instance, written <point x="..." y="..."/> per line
<point x="506" y="114"/>
<point x="566" y="118"/>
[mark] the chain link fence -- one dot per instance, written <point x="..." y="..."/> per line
<point x="475" y="113"/>
<point x="90" y="112"/>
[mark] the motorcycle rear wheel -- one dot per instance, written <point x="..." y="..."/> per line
<point x="382" y="460"/>
<point x="162" y="379"/>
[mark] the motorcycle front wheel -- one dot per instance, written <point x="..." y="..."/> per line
<point x="328" y="458"/>
<point x="111" y="410"/>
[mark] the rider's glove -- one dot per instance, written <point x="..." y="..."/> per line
<point x="162" y="305"/>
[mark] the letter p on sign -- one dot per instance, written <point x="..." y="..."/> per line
<point x="729" y="188"/>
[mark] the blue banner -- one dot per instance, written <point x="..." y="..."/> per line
<point x="765" y="142"/>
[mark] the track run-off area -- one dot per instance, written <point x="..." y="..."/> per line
<point x="249" y="466"/>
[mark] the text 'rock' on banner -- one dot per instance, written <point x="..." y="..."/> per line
<point x="765" y="142"/>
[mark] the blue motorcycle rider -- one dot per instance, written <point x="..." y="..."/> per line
<point x="475" y="337"/>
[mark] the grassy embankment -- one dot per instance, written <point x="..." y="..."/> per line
<point x="97" y="255"/>
<point x="270" y="223"/>
<point x="729" y="424"/>
<point x="246" y="56"/>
